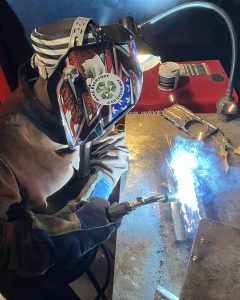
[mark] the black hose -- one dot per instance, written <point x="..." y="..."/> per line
<point x="105" y="285"/>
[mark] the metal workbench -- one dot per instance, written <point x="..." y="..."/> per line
<point x="146" y="252"/>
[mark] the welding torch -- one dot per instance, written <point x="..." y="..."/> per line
<point x="121" y="209"/>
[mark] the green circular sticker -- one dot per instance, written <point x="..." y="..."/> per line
<point x="107" y="89"/>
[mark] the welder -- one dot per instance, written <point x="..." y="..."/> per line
<point x="60" y="156"/>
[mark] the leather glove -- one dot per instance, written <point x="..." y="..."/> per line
<point x="94" y="228"/>
<point x="116" y="220"/>
<point x="94" y="213"/>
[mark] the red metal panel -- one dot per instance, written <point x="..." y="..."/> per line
<point x="199" y="93"/>
<point x="4" y="88"/>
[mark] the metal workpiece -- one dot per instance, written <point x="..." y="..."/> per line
<point x="147" y="254"/>
<point x="214" y="266"/>
<point x="143" y="260"/>
<point x="178" y="225"/>
<point x="227" y="203"/>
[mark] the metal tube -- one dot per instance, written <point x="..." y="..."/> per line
<point x="218" y="10"/>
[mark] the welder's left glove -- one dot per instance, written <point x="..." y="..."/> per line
<point x="94" y="213"/>
<point x="71" y="238"/>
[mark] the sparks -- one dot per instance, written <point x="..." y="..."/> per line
<point x="192" y="168"/>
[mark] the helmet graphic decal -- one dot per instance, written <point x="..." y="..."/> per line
<point x="107" y="89"/>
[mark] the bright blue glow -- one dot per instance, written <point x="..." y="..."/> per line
<point x="197" y="171"/>
<point x="183" y="164"/>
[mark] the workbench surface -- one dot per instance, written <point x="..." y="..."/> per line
<point x="146" y="252"/>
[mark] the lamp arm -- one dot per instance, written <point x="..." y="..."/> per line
<point x="227" y="20"/>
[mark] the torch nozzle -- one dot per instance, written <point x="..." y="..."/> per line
<point x="171" y="197"/>
<point x="160" y="197"/>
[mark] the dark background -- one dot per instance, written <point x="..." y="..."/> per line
<point x="194" y="34"/>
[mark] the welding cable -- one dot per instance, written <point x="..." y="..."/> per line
<point x="93" y="279"/>
<point x="96" y="285"/>
<point x="107" y="280"/>
<point x="110" y="253"/>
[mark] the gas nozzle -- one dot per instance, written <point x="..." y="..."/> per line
<point x="171" y="197"/>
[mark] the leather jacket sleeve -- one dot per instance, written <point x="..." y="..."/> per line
<point x="30" y="243"/>
<point x="22" y="252"/>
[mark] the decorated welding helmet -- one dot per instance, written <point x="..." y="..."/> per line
<point x="93" y="75"/>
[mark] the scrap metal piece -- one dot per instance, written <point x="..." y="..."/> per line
<point x="222" y="141"/>
<point x="183" y="118"/>
<point x="178" y="224"/>
<point x="224" y="147"/>
<point x="236" y="150"/>
<point x="214" y="265"/>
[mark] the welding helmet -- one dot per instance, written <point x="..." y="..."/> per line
<point x="93" y="74"/>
